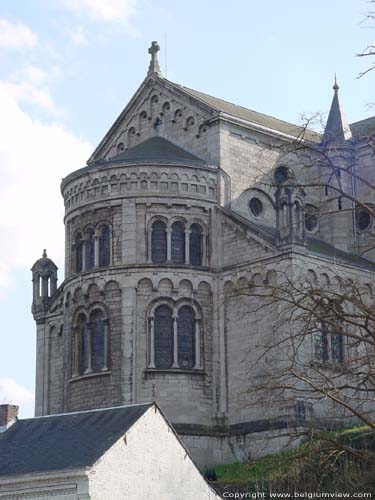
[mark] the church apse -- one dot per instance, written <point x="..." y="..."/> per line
<point x="166" y="217"/>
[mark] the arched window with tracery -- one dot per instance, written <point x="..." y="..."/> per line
<point x="163" y="337"/>
<point x="337" y="347"/>
<point x="90" y="343"/>
<point x="105" y="247"/>
<point x="175" y="337"/>
<point x="90" y="249"/>
<point x="196" y="245"/>
<point x="178" y="243"/>
<point x="78" y="247"/>
<point x="97" y="321"/>
<point x="186" y="337"/>
<point x="158" y="242"/>
<point x="328" y="344"/>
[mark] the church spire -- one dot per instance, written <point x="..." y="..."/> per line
<point x="154" y="67"/>
<point x="337" y="127"/>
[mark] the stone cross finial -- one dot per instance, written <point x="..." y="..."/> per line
<point x="44" y="253"/>
<point x="154" y="63"/>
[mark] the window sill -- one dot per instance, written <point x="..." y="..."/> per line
<point x="174" y="371"/>
<point x="90" y="375"/>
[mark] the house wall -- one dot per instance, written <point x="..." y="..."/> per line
<point x="148" y="462"/>
<point x="64" y="485"/>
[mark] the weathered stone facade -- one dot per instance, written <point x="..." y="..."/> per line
<point x="177" y="156"/>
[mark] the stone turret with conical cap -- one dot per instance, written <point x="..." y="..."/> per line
<point x="44" y="282"/>
<point x="337" y="129"/>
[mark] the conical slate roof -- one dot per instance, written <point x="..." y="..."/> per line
<point x="337" y="128"/>
<point x="157" y="149"/>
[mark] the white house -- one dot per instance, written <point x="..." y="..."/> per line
<point x="120" y="453"/>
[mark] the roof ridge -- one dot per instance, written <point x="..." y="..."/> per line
<point x="188" y="89"/>
<point x="86" y="411"/>
<point x="362" y="121"/>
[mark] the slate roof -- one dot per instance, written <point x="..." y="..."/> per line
<point x="252" y="116"/>
<point x="363" y="128"/>
<point x="157" y="149"/>
<point x="65" y="441"/>
<point x="337" y="127"/>
<point x="314" y="246"/>
<point x="322" y="248"/>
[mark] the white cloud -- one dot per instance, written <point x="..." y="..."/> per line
<point x="13" y="393"/>
<point x="29" y="85"/>
<point x="16" y="35"/>
<point x="99" y="10"/>
<point x="77" y="35"/>
<point x="33" y="159"/>
<point x="31" y="73"/>
<point x="32" y="94"/>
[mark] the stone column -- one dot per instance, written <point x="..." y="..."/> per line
<point x="197" y="344"/>
<point x="204" y="249"/>
<point x="149" y="246"/>
<point x="96" y="252"/>
<point x="151" y="363"/>
<point x="175" y="346"/>
<point x="89" y="348"/>
<point x="169" y="244"/>
<point x="75" y="333"/>
<point x="53" y="285"/>
<point x="187" y="245"/>
<point x="110" y="245"/>
<point x="106" y="341"/>
<point x="83" y="252"/>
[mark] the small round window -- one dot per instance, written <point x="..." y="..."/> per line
<point x="255" y="206"/>
<point x="281" y="174"/>
<point x="311" y="221"/>
<point x="363" y="220"/>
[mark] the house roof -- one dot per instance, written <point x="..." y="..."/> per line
<point x="156" y="149"/>
<point x="65" y="441"/>
<point x="252" y="116"/>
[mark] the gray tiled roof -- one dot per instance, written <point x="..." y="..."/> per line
<point x="363" y="128"/>
<point x="66" y="441"/>
<point x="337" y="128"/>
<point x="157" y="149"/>
<point x="314" y="246"/>
<point x="253" y="116"/>
<point x="322" y="248"/>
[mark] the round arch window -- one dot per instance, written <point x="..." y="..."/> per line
<point x="363" y="220"/>
<point x="281" y="174"/>
<point x="255" y="207"/>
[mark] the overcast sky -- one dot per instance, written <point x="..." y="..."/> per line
<point x="68" y="67"/>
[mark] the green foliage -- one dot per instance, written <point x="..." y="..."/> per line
<point x="328" y="461"/>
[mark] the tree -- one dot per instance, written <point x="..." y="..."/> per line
<point x="369" y="51"/>
<point x="318" y="362"/>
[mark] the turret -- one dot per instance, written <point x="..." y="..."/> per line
<point x="337" y="128"/>
<point x="290" y="211"/>
<point x="44" y="282"/>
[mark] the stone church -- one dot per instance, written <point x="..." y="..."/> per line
<point x="186" y="198"/>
